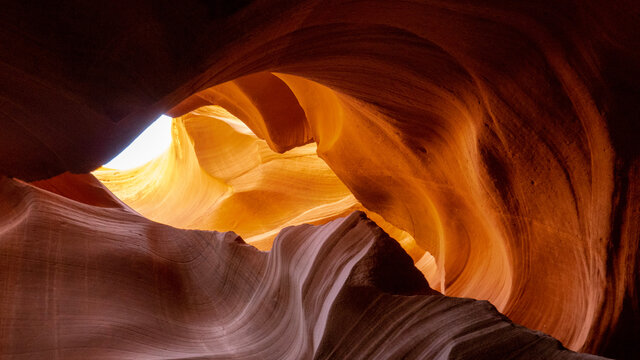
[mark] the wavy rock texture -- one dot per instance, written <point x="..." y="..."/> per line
<point x="501" y="136"/>
<point x="106" y="283"/>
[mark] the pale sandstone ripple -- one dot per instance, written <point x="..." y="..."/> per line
<point x="82" y="281"/>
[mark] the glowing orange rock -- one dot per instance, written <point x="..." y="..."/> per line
<point x="445" y="188"/>
<point x="217" y="170"/>
<point x="501" y="135"/>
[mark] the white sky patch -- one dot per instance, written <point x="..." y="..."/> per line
<point x="153" y="141"/>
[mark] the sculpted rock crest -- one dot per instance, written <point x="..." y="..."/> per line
<point x="105" y="283"/>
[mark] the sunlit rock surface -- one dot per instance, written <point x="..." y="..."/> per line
<point x="217" y="171"/>
<point x="501" y="135"/>
<point x="105" y="283"/>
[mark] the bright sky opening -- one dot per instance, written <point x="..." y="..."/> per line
<point x="153" y="141"/>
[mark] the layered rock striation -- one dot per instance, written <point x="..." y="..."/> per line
<point x="103" y="282"/>
<point x="500" y="136"/>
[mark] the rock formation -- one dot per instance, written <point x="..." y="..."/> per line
<point x="105" y="283"/>
<point x="498" y="137"/>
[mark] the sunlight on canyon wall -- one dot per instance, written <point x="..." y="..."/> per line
<point x="496" y="141"/>
<point x="217" y="170"/>
<point x="446" y="187"/>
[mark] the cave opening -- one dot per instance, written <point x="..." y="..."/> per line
<point x="150" y="144"/>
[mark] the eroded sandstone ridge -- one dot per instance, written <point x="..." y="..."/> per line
<point x="501" y="136"/>
<point x="103" y="282"/>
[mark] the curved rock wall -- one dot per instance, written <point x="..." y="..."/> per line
<point x="502" y="136"/>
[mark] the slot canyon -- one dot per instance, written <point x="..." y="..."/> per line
<point x="362" y="179"/>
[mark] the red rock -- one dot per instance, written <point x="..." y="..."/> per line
<point x="501" y="136"/>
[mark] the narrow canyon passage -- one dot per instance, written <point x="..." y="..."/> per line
<point x="398" y="167"/>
